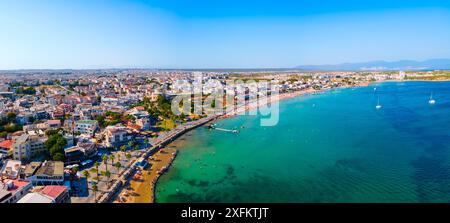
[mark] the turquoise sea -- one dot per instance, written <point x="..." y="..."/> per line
<point x="328" y="147"/>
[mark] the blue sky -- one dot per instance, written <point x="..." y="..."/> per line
<point x="218" y="34"/>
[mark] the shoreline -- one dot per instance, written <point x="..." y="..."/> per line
<point x="141" y="188"/>
<point x="150" y="183"/>
<point x="255" y="105"/>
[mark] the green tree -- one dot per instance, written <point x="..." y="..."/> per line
<point x="11" y="116"/>
<point x="58" y="157"/>
<point x="75" y="169"/>
<point x="123" y="148"/>
<point x="96" y="165"/>
<point x="107" y="174"/>
<point x="3" y="134"/>
<point x="55" y="146"/>
<point x="13" y="128"/>
<point x="101" y="121"/>
<point x="105" y="161"/>
<point x="130" y="143"/>
<point x="86" y="174"/>
<point x="118" y="165"/>
<point x="112" y="158"/>
<point x="95" y="189"/>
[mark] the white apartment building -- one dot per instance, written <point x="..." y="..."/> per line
<point x="26" y="146"/>
<point x="86" y="126"/>
<point x="116" y="136"/>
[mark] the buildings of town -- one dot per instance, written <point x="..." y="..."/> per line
<point x="54" y="124"/>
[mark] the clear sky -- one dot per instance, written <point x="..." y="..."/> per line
<point x="218" y="34"/>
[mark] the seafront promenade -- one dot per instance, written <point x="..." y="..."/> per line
<point x="146" y="193"/>
<point x="156" y="145"/>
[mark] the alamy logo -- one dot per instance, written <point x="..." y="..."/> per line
<point x="231" y="97"/>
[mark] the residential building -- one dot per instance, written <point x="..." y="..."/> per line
<point x="11" y="169"/>
<point x="144" y="123"/>
<point x="59" y="194"/>
<point x="54" y="124"/>
<point x="86" y="126"/>
<point x="6" y="148"/>
<point x="26" y="146"/>
<point x="36" y="197"/>
<point x="13" y="190"/>
<point x="49" y="173"/>
<point x="79" y="153"/>
<point x="31" y="168"/>
<point x="116" y="136"/>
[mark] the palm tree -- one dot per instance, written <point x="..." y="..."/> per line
<point x="136" y="148"/>
<point x="128" y="156"/>
<point x="118" y="165"/>
<point x="93" y="170"/>
<point x="123" y="148"/>
<point x="105" y="161"/>
<point x="95" y="189"/>
<point x="107" y="174"/>
<point x="96" y="165"/>
<point x="112" y="158"/>
<point x="73" y="173"/>
<point x="146" y="141"/>
<point x="130" y="144"/>
<point x="86" y="174"/>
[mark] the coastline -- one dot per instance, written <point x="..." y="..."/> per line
<point x="142" y="186"/>
<point x="146" y="186"/>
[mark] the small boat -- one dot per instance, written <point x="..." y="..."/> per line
<point x="378" y="104"/>
<point x="431" y="101"/>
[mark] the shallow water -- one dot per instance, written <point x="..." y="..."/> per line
<point x="329" y="147"/>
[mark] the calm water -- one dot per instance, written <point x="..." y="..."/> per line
<point x="329" y="147"/>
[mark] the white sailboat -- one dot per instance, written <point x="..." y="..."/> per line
<point x="378" y="104"/>
<point x="431" y="101"/>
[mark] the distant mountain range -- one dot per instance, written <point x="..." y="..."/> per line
<point x="433" y="64"/>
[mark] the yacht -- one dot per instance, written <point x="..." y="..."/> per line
<point x="431" y="101"/>
<point x="378" y="104"/>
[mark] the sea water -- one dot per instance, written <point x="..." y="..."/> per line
<point x="334" y="146"/>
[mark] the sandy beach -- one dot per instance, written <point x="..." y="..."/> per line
<point x="141" y="188"/>
<point x="241" y="110"/>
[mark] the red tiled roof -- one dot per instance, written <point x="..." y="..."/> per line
<point x="19" y="184"/>
<point x="58" y="113"/>
<point x="134" y="126"/>
<point x="53" y="191"/>
<point x="7" y="144"/>
<point x="54" y="121"/>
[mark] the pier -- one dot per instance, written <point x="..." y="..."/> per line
<point x="212" y="126"/>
